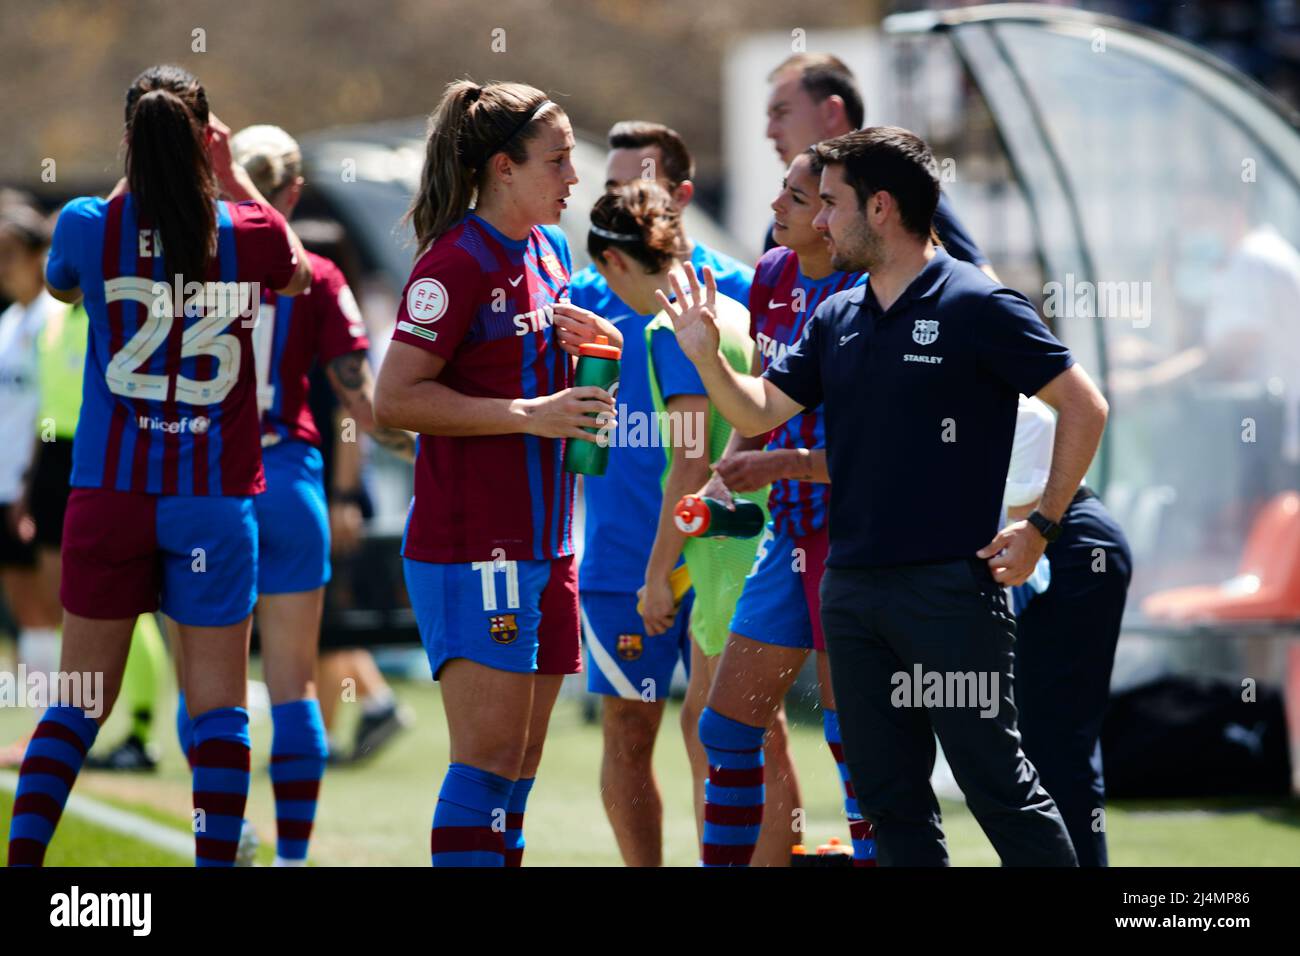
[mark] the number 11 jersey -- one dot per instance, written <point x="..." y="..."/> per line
<point x="169" y="400"/>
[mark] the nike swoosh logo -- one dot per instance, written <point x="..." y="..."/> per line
<point x="845" y="338"/>
<point x="515" y="282"/>
<point x="773" y="304"/>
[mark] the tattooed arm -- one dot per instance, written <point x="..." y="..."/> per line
<point x="350" y="376"/>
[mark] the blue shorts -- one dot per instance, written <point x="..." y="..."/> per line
<point x="779" y="604"/>
<point x="293" y="523"/>
<point x="625" y="661"/>
<point x="517" y="616"/>
<point x="123" y="550"/>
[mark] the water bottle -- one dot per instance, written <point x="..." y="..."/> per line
<point x="710" y="518"/>
<point x="597" y="365"/>
<point x="833" y="853"/>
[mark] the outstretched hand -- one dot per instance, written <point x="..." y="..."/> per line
<point x="694" y="314"/>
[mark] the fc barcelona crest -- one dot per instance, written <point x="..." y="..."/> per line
<point x="503" y="629"/>
<point x="629" y="646"/>
<point x="552" y="265"/>
<point x="925" y="331"/>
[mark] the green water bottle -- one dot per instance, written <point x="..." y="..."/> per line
<point x="597" y="365"/>
<point x="710" y="518"/>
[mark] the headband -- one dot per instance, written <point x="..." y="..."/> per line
<point x="528" y="118"/>
<point x="616" y="236"/>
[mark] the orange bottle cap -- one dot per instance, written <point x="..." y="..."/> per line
<point x="832" y="848"/>
<point x="691" y="516"/>
<point x="601" y="349"/>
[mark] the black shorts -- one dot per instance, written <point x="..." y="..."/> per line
<point x="13" y="552"/>
<point x="50" y="489"/>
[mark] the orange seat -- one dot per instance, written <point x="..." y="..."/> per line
<point x="1267" y="586"/>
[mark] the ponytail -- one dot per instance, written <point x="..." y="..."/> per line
<point x="167" y="167"/>
<point x="471" y="124"/>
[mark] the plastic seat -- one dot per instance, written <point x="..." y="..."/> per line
<point x="1267" y="585"/>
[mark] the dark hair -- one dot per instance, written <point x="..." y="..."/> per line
<point x="678" y="166"/>
<point x="167" y="165"/>
<point x="643" y="221"/>
<point x="27" y="224"/>
<point x="471" y="124"/>
<point x="822" y="75"/>
<point x="886" y="159"/>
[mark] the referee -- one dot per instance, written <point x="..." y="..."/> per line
<point x="918" y="373"/>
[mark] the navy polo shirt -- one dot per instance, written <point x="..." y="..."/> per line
<point x="920" y="404"/>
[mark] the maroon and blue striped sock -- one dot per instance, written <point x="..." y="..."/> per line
<point x="221" y="762"/>
<point x="469" y="822"/>
<point x="298" y="752"/>
<point x="734" y="793"/>
<point x="860" y="829"/>
<point x="515" y="808"/>
<point x="49" y="769"/>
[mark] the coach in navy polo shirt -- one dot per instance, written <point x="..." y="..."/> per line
<point x="919" y="373"/>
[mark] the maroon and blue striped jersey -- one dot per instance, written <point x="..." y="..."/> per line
<point x="169" y="400"/>
<point x="482" y="302"/>
<point x="292" y="334"/>
<point x="781" y="300"/>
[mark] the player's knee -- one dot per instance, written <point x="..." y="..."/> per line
<point x="504" y="758"/>
<point x="690" y="718"/>
<point x="630" y="731"/>
<point x="776" y="743"/>
<point x="716" y="730"/>
<point x="532" y="760"/>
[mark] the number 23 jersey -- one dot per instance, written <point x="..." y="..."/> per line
<point x="169" y="404"/>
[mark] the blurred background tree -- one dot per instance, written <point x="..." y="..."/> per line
<point x="310" y="64"/>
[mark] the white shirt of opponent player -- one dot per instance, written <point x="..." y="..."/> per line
<point x="20" y="394"/>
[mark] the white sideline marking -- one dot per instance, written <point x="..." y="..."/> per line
<point x="120" y="821"/>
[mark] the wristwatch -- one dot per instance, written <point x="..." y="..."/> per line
<point x="1048" y="528"/>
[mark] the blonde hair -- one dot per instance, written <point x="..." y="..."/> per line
<point x="471" y="124"/>
<point x="269" y="155"/>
